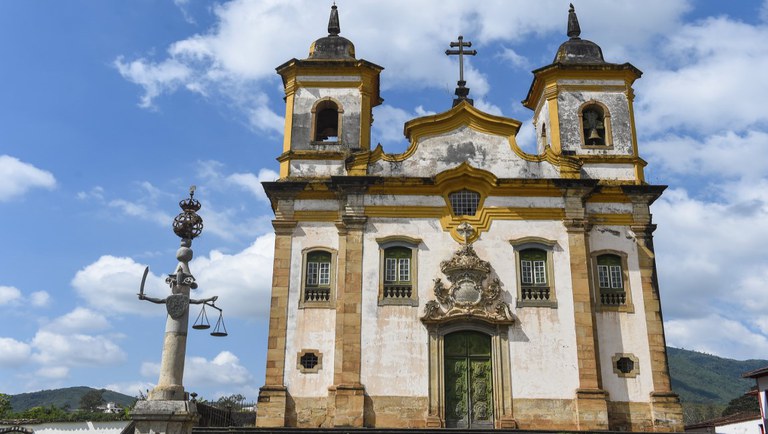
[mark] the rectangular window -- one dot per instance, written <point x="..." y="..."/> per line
<point x="616" y="277"/>
<point x="405" y="269"/>
<point x="526" y="272"/>
<point x="325" y="274"/>
<point x="312" y="275"/>
<point x="602" y="275"/>
<point x="390" y="270"/>
<point x="539" y="273"/>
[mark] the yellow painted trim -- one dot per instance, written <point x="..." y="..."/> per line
<point x="550" y="93"/>
<point x="288" y="128"/>
<point x="639" y="172"/>
<point x="285" y="167"/>
<point x="405" y="211"/>
<point x="316" y="216"/>
<point x="593" y="87"/>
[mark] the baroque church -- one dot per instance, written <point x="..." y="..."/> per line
<point x="464" y="283"/>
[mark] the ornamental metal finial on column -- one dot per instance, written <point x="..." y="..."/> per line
<point x="188" y="225"/>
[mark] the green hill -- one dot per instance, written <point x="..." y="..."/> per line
<point x="706" y="379"/>
<point x="64" y="398"/>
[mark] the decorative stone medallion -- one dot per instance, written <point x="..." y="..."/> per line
<point x="468" y="296"/>
<point x="177" y="305"/>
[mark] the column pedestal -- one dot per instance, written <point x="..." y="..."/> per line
<point x="164" y="417"/>
<point x="349" y="405"/>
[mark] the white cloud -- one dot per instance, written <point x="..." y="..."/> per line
<point x="111" y="283"/>
<point x="19" y="177"/>
<point x="510" y="56"/>
<point x="39" y="298"/>
<point x="13" y="353"/>
<point x="712" y="80"/>
<point x="230" y="59"/>
<point x="142" y="211"/>
<point x="717" y="335"/>
<point x="252" y="183"/>
<point x="223" y="370"/>
<point x="53" y="372"/>
<point x="69" y="350"/>
<point x="77" y="321"/>
<point x="238" y="279"/>
<point x="9" y="294"/>
<point x="94" y="193"/>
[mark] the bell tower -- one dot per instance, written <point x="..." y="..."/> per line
<point x="329" y="98"/>
<point x="583" y="107"/>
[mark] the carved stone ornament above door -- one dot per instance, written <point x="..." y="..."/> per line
<point x="469" y="296"/>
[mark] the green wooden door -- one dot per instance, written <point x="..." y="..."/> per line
<point x="468" y="380"/>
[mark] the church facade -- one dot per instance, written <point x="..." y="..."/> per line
<point x="464" y="282"/>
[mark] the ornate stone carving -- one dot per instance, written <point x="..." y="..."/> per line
<point x="468" y="296"/>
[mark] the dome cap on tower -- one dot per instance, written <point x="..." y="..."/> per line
<point x="577" y="50"/>
<point x="332" y="46"/>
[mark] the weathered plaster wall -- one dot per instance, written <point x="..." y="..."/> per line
<point x="305" y="98"/>
<point x="310" y="328"/>
<point x="609" y="208"/>
<point x="317" y="168"/>
<point x="623" y="332"/>
<point x="445" y="151"/>
<point x="542" y="120"/>
<point x="569" y="102"/>
<point x="396" y="200"/>
<point x="624" y="172"/>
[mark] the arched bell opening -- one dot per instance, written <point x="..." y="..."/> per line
<point x="326" y="127"/>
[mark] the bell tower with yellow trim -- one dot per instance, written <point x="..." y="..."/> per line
<point x="583" y="107"/>
<point x="329" y="101"/>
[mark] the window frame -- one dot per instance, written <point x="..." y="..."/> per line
<point x="317" y="107"/>
<point x="313" y="370"/>
<point x="598" y="289"/>
<point x="305" y="253"/>
<point x="479" y="204"/>
<point x="398" y="242"/>
<point x="522" y="245"/>
<point x="606" y="123"/>
<point x="635" y="368"/>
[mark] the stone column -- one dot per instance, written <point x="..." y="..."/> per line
<point x="666" y="411"/>
<point x="273" y="396"/>
<point x="591" y="405"/>
<point x="347" y="395"/>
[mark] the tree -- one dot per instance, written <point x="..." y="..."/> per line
<point x="235" y="401"/>
<point x="742" y="404"/>
<point x="5" y="404"/>
<point x="91" y="400"/>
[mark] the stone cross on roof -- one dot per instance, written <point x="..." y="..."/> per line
<point x="461" y="91"/>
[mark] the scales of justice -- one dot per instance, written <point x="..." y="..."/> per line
<point x="167" y="408"/>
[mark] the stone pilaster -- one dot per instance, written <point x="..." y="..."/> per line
<point x="591" y="405"/>
<point x="273" y="396"/>
<point x="666" y="411"/>
<point x="348" y="393"/>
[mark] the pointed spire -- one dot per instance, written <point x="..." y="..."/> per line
<point x="333" y="23"/>
<point x="573" y="24"/>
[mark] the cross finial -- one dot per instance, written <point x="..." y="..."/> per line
<point x="461" y="91"/>
<point x="465" y="230"/>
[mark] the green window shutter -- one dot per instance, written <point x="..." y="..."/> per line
<point x="318" y="271"/>
<point x="397" y="265"/>
<point x="533" y="267"/>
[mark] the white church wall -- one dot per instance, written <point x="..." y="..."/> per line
<point x="609" y="208"/>
<point x="309" y="328"/>
<point x="481" y="150"/>
<point x="394" y="340"/>
<point x="317" y="168"/>
<point x="542" y="340"/>
<point x="524" y="202"/>
<point x="397" y="200"/>
<point x="623" y="332"/>
<point x="542" y="121"/>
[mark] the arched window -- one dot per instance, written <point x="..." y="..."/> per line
<point x="535" y="285"/>
<point x="464" y="202"/>
<point x="318" y="279"/>
<point x="326" y="121"/>
<point x="594" y="125"/>
<point x="612" y="281"/>
<point x="398" y="270"/>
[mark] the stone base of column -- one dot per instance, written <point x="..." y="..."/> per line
<point x="168" y="393"/>
<point x="434" y="422"/>
<point x="164" y="417"/>
<point x="271" y="406"/>
<point x="506" y="422"/>
<point x="592" y="409"/>
<point x="666" y="412"/>
<point x="349" y="405"/>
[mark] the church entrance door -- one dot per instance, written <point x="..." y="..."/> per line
<point x="468" y="380"/>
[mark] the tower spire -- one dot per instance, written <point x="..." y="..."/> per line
<point x="573" y="23"/>
<point x="333" y="22"/>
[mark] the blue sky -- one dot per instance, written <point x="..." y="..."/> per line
<point x="110" y="110"/>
